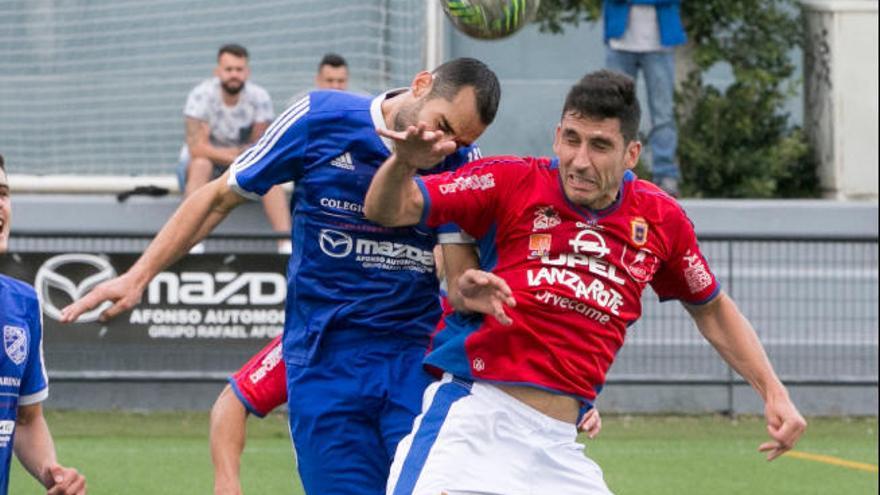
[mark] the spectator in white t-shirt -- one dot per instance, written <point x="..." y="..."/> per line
<point x="224" y="115"/>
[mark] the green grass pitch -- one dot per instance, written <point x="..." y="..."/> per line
<point x="167" y="453"/>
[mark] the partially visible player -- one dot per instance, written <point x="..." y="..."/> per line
<point x="23" y="381"/>
<point x="362" y="299"/>
<point x="578" y="238"/>
<point x="260" y="385"/>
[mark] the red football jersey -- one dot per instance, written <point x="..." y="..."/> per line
<point x="577" y="275"/>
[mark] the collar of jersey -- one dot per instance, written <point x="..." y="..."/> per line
<point x="378" y="118"/>
<point x="589" y="212"/>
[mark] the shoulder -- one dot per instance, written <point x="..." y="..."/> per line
<point x="654" y="204"/>
<point x="205" y="88"/>
<point x="330" y="100"/>
<point x="14" y="288"/>
<point x="256" y="92"/>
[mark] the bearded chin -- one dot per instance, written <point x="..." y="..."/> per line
<point x="407" y="116"/>
<point x="232" y="90"/>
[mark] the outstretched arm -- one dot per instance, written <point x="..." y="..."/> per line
<point x="722" y="324"/>
<point x="194" y="219"/>
<point x="393" y="199"/>
<point x="36" y="451"/>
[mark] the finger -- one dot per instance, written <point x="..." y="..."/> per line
<point x="119" y="307"/>
<point x="444" y="147"/>
<point x="72" y="311"/>
<point x="789" y="432"/>
<point x="78" y="487"/>
<point x="390" y="134"/>
<point x="773" y="449"/>
<point x="500" y="315"/>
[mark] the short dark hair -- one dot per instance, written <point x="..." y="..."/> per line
<point x="606" y="94"/>
<point x="333" y="60"/>
<point x="233" y="49"/>
<point x="452" y="76"/>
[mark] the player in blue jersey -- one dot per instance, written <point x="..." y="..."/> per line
<point x="23" y="382"/>
<point x="362" y="298"/>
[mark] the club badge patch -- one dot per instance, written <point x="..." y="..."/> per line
<point x="640" y="264"/>
<point x="545" y="218"/>
<point x="15" y="343"/>
<point x="639" y="231"/>
<point x="696" y="274"/>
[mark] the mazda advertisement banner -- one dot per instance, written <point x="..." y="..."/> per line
<point x="207" y="312"/>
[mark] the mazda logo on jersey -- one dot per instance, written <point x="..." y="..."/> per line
<point x="334" y="243"/>
<point x="72" y="275"/>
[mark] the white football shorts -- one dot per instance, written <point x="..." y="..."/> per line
<point x="474" y="439"/>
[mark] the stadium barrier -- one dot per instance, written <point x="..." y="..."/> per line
<point x="811" y="296"/>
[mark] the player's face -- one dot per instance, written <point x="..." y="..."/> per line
<point x="330" y="77"/>
<point x="5" y="211"/>
<point x="233" y="72"/>
<point x="457" y="118"/>
<point x="593" y="156"/>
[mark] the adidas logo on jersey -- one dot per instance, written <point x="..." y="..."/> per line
<point x="343" y="161"/>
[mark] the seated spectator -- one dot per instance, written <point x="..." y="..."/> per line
<point x="223" y="116"/>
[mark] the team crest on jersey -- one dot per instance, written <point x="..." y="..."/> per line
<point x="15" y="343"/>
<point x="545" y="218"/>
<point x="696" y="274"/>
<point x="539" y="245"/>
<point x="639" y="231"/>
<point x="640" y="264"/>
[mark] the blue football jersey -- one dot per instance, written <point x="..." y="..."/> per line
<point x="345" y="274"/>
<point x="23" y="378"/>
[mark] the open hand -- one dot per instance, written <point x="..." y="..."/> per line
<point x="486" y="293"/>
<point x="418" y="147"/>
<point x="121" y="291"/>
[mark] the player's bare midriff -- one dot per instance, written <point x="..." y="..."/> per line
<point x="561" y="407"/>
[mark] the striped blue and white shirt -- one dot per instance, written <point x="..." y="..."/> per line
<point x="346" y="274"/>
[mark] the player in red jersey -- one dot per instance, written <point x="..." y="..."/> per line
<point x="578" y="239"/>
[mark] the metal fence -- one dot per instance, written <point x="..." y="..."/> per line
<point x="813" y="303"/>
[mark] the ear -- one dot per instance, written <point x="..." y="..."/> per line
<point x="633" y="150"/>
<point x="422" y="84"/>
<point x="557" y="139"/>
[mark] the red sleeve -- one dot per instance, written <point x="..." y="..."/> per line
<point x="685" y="275"/>
<point x="471" y="196"/>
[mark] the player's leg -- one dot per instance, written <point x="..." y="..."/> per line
<point x="659" y="71"/>
<point x="458" y="445"/>
<point x="277" y="209"/>
<point x="622" y="61"/>
<point x="258" y="388"/>
<point x="405" y="384"/>
<point x="227" y="434"/>
<point x="333" y="410"/>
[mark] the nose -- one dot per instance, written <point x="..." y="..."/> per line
<point x="581" y="159"/>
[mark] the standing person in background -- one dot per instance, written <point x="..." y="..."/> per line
<point x="332" y="73"/>
<point x="23" y="381"/>
<point x="223" y="116"/>
<point x="642" y="35"/>
<point x="260" y="385"/>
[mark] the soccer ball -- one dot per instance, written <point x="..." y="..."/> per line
<point x="490" y="19"/>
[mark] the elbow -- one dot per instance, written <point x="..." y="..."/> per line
<point x="378" y="215"/>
